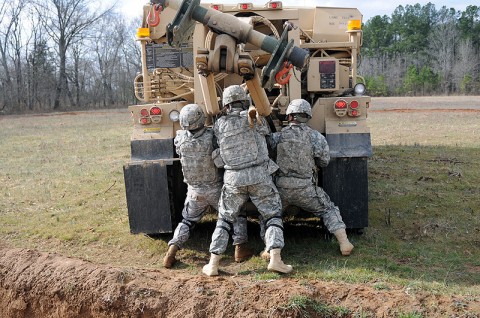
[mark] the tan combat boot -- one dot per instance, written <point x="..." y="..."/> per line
<point x="265" y="255"/>
<point x="345" y="246"/>
<point x="242" y="252"/>
<point x="211" y="269"/>
<point x="169" y="258"/>
<point x="276" y="264"/>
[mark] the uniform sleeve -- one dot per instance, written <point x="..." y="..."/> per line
<point x="263" y="129"/>
<point x="217" y="158"/>
<point x="273" y="140"/>
<point x="215" y="142"/>
<point x="178" y="141"/>
<point x="215" y="128"/>
<point x="321" y="152"/>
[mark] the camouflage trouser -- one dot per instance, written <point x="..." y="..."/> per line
<point x="196" y="204"/>
<point x="314" y="199"/>
<point x="265" y="197"/>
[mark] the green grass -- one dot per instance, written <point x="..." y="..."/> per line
<point x="62" y="190"/>
<point x="424" y="224"/>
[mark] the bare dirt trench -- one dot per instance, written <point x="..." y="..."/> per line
<point x="34" y="284"/>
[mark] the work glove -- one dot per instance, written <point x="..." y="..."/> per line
<point x="253" y="116"/>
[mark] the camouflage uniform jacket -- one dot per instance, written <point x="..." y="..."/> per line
<point x="243" y="150"/>
<point x="298" y="148"/>
<point x="195" y="151"/>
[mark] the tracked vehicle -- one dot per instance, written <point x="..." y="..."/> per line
<point x="192" y="51"/>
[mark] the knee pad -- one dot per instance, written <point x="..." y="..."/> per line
<point x="275" y="221"/>
<point x="190" y="224"/>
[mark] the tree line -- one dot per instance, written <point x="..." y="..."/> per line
<point x="82" y="54"/>
<point x="421" y="50"/>
<point x="65" y="54"/>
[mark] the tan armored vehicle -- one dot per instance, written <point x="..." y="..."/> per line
<point x="192" y="51"/>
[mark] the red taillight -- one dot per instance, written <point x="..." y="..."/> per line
<point x="145" y="120"/>
<point x="340" y="107"/>
<point x="144" y="112"/>
<point x="218" y="7"/>
<point x="274" y="5"/>
<point x="340" y="104"/>
<point x="354" y="113"/>
<point x="155" y="111"/>
<point x="354" y="104"/>
<point x="245" y="6"/>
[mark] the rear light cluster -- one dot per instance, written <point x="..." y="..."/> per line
<point x="152" y="115"/>
<point x="218" y="7"/>
<point x="248" y="6"/>
<point x="245" y="6"/>
<point x="342" y="108"/>
<point x="274" y="5"/>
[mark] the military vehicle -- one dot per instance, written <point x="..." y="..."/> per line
<point x="190" y="52"/>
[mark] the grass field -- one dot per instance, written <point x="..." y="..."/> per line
<point x="62" y="190"/>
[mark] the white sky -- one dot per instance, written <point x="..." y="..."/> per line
<point x="368" y="8"/>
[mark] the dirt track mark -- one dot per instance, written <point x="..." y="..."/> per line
<point x="35" y="284"/>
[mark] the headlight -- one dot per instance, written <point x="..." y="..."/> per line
<point x="174" y="115"/>
<point x="359" y="89"/>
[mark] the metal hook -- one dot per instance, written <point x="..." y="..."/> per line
<point x="282" y="78"/>
<point x="154" y="20"/>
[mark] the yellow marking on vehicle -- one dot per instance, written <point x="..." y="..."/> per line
<point x="151" y="129"/>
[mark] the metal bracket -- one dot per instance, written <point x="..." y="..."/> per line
<point x="276" y="60"/>
<point x="181" y="29"/>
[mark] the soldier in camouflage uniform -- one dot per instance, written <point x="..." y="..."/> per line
<point x="195" y="144"/>
<point x="243" y="154"/>
<point x="299" y="150"/>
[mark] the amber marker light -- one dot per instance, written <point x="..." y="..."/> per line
<point x="354" y="25"/>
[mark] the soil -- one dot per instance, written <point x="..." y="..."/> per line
<point x="38" y="284"/>
<point x="35" y="284"/>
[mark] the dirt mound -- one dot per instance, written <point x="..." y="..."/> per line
<point x="34" y="284"/>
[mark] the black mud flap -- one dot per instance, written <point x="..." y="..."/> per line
<point x="148" y="202"/>
<point x="345" y="180"/>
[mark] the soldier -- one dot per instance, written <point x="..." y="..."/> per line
<point x="243" y="154"/>
<point x="299" y="150"/>
<point x="195" y="144"/>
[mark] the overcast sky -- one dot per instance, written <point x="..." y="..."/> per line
<point x="367" y="8"/>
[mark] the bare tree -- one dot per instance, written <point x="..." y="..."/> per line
<point x="132" y="61"/>
<point x="442" y="52"/>
<point x="16" y="44"/>
<point x="67" y="22"/>
<point x="79" y="58"/>
<point x="107" y="44"/>
<point x="9" y="17"/>
<point x="466" y="66"/>
<point x="40" y="68"/>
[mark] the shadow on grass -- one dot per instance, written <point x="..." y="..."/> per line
<point x="423" y="216"/>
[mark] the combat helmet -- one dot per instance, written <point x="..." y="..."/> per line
<point x="192" y="117"/>
<point x="233" y="94"/>
<point x="300" y="110"/>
